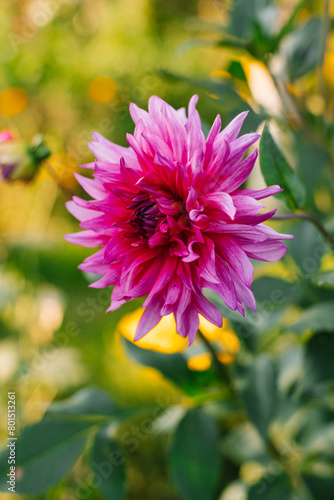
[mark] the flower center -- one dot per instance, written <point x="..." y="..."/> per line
<point x="145" y="215"/>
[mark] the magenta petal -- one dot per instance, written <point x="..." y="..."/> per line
<point x="150" y="318"/>
<point x="239" y="174"/>
<point x="78" y="212"/>
<point x="204" y="307"/>
<point x="269" y="251"/>
<point x="234" y="127"/>
<point x="85" y="239"/>
<point x="107" y="280"/>
<point x="187" y="325"/>
<point x="94" y="188"/>
<point x="260" y="193"/>
<point x="236" y="257"/>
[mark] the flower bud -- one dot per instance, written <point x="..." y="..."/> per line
<point x="19" y="161"/>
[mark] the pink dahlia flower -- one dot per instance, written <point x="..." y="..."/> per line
<point x="171" y="219"/>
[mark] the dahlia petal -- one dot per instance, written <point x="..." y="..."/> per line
<point x="204" y="307"/>
<point x="114" y="249"/>
<point x="129" y="175"/>
<point x="89" y="166"/>
<point x="87" y="238"/>
<point x="244" y="293"/>
<point x="187" y="326"/>
<point x="197" y="164"/>
<point x="222" y="201"/>
<point x="246" y="205"/>
<point x="174" y="290"/>
<point x="158" y="239"/>
<point x="239" y="173"/>
<point x="216" y="167"/>
<point x="169" y="207"/>
<point x="254" y="220"/>
<point x="236" y="257"/>
<point x="268" y="251"/>
<point x="176" y="132"/>
<point x="181" y="113"/>
<point x="258" y="194"/>
<point x="94" y="268"/>
<point x="94" y="188"/>
<point x="107" y="280"/>
<point x="272" y="234"/>
<point x="195" y="138"/>
<point x="192" y="111"/>
<point x="183" y="302"/>
<point x="116" y="151"/>
<point x="162" y="280"/>
<point x="103" y="153"/>
<point x="239" y="231"/>
<point x="239" y="147"/>
<point x="101" y="224"/>
<point x="214" y="131"/>
<point x="225" y="288"/>
<point x="116" y="304"/>
<point x="150" y="318"/>
<point x="138" y="114"/>
<point x="163" y="151"/>
<point x="233" y="128"/>
<point x="155" y="105"/>
<point x="88" y="205"/>
<point x="78" y="212"/>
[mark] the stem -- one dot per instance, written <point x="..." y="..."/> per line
<point x="220" y="368"/>
<point x="311" y="218"/>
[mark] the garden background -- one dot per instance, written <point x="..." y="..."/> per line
<point x="174" y="428"/>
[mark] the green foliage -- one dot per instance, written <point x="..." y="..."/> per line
<point x="259" y="394"/>
<point x="276" y="170"/>
<point x="46" y="450"/>
<point x="194" y="457"/>
<point x="108" y="464"/>
<point x="319" y="317"/>
<point x="128" y="423"/>
<point x="303" y="50"/>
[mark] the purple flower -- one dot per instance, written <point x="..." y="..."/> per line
<point x="171" y="219"/>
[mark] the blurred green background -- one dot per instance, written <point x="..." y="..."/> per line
<point x="71" y="67"/>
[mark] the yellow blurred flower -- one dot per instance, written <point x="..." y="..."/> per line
<point x="63" y="165"/>
<point x="12" y="101"/>
<point x="199" y="362"/>
<point x="220" y="73"/>
<point x="102" y="89"/>
<point x="163" y="338"/>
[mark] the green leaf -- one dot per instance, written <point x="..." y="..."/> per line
<point x="272" y="487"/>
<point x="194" y="459"/>
<point x="242" y="444"/>
<point x="45" y="452"/>
<point x="172" y="366"/>
<point x="325" y="279"/>
<point x="320" y="487"/>
<point x="318" y="360"/>
<point x="319" y="317"/>
<point x="303" y="50"/>
<point x="107" y="463"/>
<point x="289" y="25"/>
<point x="276" y="170"/>
<point x="259" y="393"/>
<point x="88" y="401"/>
